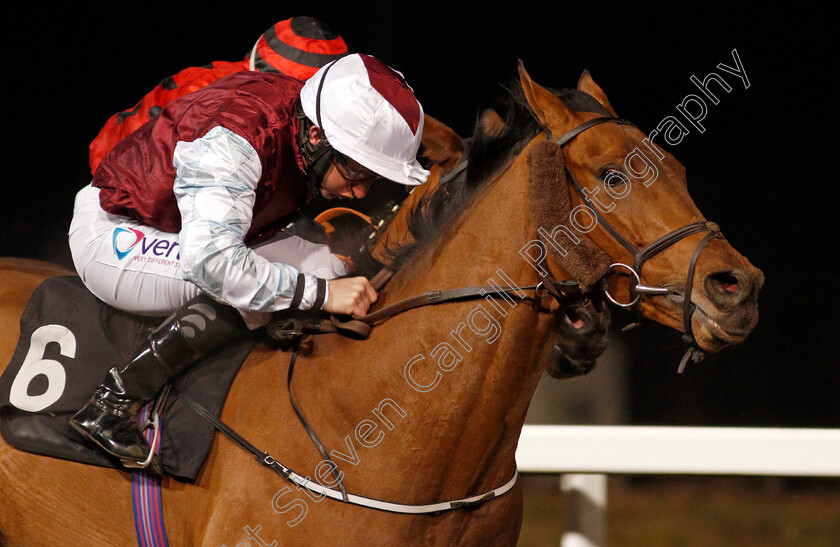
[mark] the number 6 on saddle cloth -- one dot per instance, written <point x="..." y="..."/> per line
<point x="69" y="340"/>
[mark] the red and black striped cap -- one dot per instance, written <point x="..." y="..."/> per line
<point x="297" y="47"/>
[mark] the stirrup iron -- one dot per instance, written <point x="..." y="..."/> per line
<point x="152" y="421"/>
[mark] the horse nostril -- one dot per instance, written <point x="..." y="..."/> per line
<point x="726" y="285"/>
<point x="728" y="282"/>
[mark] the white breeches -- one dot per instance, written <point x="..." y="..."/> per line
<point x="136" y="268"/>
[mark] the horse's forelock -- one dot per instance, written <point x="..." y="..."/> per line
<point x="580" y="101"/>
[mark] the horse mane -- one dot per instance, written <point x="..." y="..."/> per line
<point x="491" y="148"/>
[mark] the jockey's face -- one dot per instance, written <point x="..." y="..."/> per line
<point x="345" y="179"/>
<point x="335" y="186"/>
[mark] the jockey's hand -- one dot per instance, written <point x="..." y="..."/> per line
<point x="350" y="296"/>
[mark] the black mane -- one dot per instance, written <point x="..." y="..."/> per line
<point x="488" y="153"/>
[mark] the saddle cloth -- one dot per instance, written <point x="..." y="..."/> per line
<point x="68" y="341"/>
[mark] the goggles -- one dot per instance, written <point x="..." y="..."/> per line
<point x="350" y="169"/>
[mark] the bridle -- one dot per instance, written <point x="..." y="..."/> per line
<point x="640" y="256"/>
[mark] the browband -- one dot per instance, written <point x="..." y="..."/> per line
<point x="586" y="125"/>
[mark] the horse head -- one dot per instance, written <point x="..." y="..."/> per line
<point x="614" y="209"/>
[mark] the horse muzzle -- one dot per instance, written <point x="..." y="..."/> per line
<point x="726" y="309"/>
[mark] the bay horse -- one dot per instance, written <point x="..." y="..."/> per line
<point x="430" y="406"/>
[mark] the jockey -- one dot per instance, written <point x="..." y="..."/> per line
<point x="296" y="47"/>
<point x="184" y="216"/>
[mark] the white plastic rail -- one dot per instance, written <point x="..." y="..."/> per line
<point x="679" y="450"/>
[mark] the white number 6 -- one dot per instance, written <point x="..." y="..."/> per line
<point x="35" y="364"/>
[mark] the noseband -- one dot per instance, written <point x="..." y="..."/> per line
<point x="640" y="256"/>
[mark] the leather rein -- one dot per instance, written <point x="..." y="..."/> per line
<point x="293" y="326"/>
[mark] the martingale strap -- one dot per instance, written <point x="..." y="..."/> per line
<point x="311" y="432"/>
<point x="372" y="503"/>
<point x="292" y="329"/>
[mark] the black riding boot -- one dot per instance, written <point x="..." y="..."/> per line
<point x="110" y="418"/>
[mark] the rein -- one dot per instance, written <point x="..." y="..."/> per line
<point x="293" y="329"/>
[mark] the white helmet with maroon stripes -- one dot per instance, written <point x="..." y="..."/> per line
<point x="368" y="113"/>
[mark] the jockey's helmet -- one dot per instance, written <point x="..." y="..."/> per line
<point x="368" y="113"/>
<point x="297" y="47"/>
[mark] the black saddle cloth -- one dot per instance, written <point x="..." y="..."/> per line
<point x="68" y="341"/>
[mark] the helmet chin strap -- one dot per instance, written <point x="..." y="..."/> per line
<point x="319" y="164"/>
<point x="316" y="157"/>
<point x="313" y="186"/>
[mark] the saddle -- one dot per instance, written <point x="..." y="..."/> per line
<point x="68" y="340"/>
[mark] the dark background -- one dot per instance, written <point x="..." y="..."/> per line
<point x="764" y="169"/>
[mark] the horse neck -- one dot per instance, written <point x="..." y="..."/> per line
<point x="478" y="407"/>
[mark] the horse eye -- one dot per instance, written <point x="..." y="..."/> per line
<point x="612" y="177"/>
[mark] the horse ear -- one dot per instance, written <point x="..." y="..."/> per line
<point x="551" y="205"/>
<point x="588" y="85"/>
<point x="549" y="109"/>
<point x="490" y="122"/>
<point x="441" y="144"/>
